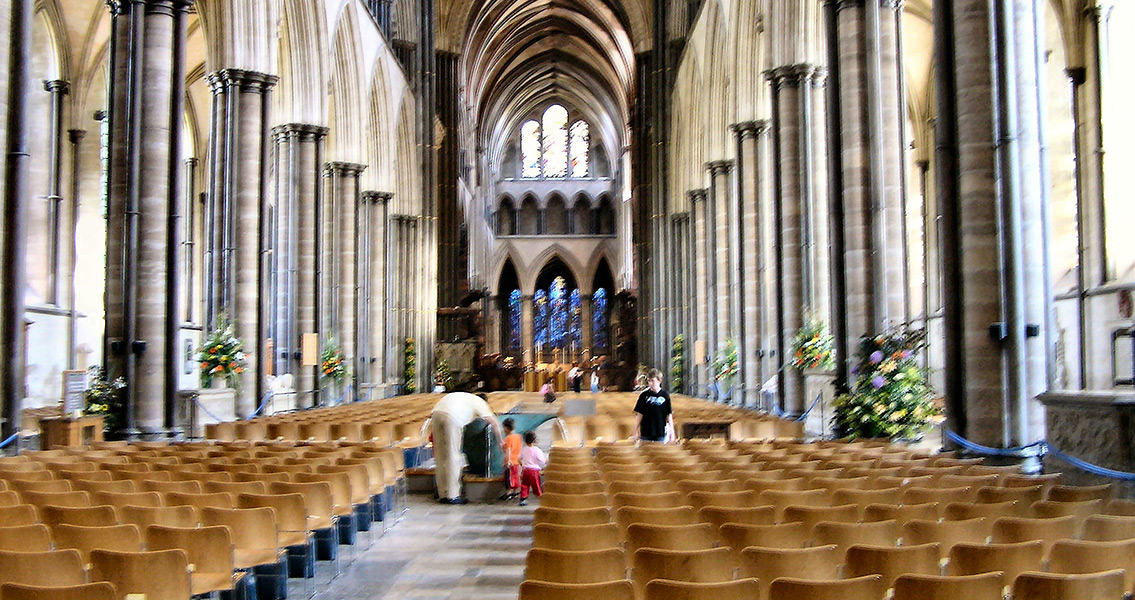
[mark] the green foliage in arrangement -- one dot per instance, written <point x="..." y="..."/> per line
<point x="725" y="365"/>
<point x="104" y="398"/>
<point x="222" y="354"/>
<point x="443" y="375"/>
<point x="409" y="367"/>
<point x="812" y="347"/>
<point x="890" y="397"/>
<point x="332" y="363"/>
<point x="677" y="357"/>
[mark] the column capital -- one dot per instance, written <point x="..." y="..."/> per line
<point x="76" y="135"/>
<point x="246" y="81"/>
<point x="819" y="77"/>
<point x="337" y="167"/>
<point x="791" y="75"/>
<point x="719" y="167"/>
<point x="698" y="195"/>
<point x="377" y="197"/>
<point x="164" y="7"/>
<point x="748" y="129"/>
<point x="57" y="85"/>
<point x="1078" y="75"/>
<point x="303" y="131"/>
<point x="192" y="161"/>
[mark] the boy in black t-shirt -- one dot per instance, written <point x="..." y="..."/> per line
<point x="653" y="411"/>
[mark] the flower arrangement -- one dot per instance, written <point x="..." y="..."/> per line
<point x="104" y="398"/>
<point x="890" y="397"/>
<point x="332" y="363"/>
<point x="443" y="375"/>
<point x="677" y="351"/>
<point x="409" y="366"/>
<point x="222" y="354"/>
<point x="725" y="365"/>
<point x="812" y="347"/>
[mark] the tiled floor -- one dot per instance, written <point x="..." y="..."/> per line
<point x="437" y="552"/>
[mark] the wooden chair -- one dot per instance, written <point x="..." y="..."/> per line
<point x="943" y="496"/>
<point x="664" y="500"/>
<point x="576" y="566"/>
<point x="1010" y="559"/>
<point x="159" y="575"/>
<point x="818" y="563"/>
<point x="782" y="499"/>
<point x="760" y="485"/>
<point x="200" y="501"/>
<point x="57" y="498"/>
<point x="901" y="512"/>
<point x="665" y="589"/>
<point x="569" y="516"/>
<point x="892" y="561"/>
<point x="961" y="511"/>
<point x="1053" y="586"/>
<point x="864" y="497"/>
<point x="86" y="591"/>
<point x="120" y="500"/>
<point x="92" y="487"/>
<point x="1106" y="528"/>
<point x="868" y="587"/>
<point x="166" y="516"/>
<point x="118" y="538"/>
<point x="1076" y="557"/>
<point x="581" y="487"/>
<point x="1048" y="531"/>
<point x="1025" y="496"/>
<point x="985" y="586"/>
<point x="45" y="485"/>
<point x="543" y="590"/>
<point x="53" y="568"/>
<point x="946" y="533"/>
<point x="9" y="498"/>
<point x="87" y="516"/>
<point x="749" y="515"/>
<point x="628" y="515"/>
<point x="557" y="500"/>
<point x="291" y="516"/>
<point x="737" y="499"/>
<point x="699" y="536"/>
<point x="1078" y="510"/>
<point x="1073" y="493"/>
<point x="576" y="537"/>
<point x="716" y="565"/>
<point x="209" y="550"/>
<point x="255" y="539"/>
<point x="844" y="535"/>
<point x="1120" y="507"/>
<point x="810" y="515"/>
<point x="785" y="535"/>
<point x="630" y="486"/>
<point x="317" y="501"/>
<point x="1045" y="481"/>
<point x="19" y="514"/>
<point x="25" y="538"/>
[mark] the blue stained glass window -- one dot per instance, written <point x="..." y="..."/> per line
<point x="599" y="318"/>
<point x="559" y="317"/>
<point x="576" y="306"/>
<point x="514" y="320"/>
<point x="540" y="299"/>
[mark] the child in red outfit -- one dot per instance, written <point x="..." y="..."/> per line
<point x="512" y="445"/>
<point x="532" y="460"/>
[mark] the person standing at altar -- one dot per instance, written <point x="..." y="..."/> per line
<point x="575" y="378"/>
<point x="594" y="381"/>
<point x="654" y="418"/>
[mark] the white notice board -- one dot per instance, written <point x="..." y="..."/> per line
<point x="74" y="392"/>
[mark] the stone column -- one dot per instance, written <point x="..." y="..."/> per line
<point x="378" y="300"/>
<point x="701" y="289"/>
<point x="989" y="164"/>
<point x="238" y="195"/>
<point x="299" y="198"/>
<point x="791" y="136"/>
<point x="871" y="155"/>
<point x="753" y="254"/>
<point x="75" y="137"/>
<point x="586" y="330"/>
<point x="57" y="89"/>
<point x="345" y="197"/>
<point x="147" y="84"/>
<point x="723" y="251"/>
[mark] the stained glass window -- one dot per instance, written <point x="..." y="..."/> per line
<point x="578" y="148"/>
<point x="559" y="316"/>
<point x="576" y="307"/>
<point x="555" y="141"/>
<point x="599" y="318"/>
<point x="530" y="149"/>
<point x="514" y="320"/>
<point x="540" y="299"/>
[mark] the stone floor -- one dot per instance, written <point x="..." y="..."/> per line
<point x="435" y="552"/>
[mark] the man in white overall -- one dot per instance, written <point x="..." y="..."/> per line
<point x="450" y="416"/>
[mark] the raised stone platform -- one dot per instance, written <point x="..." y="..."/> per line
<point x="1094" y="426"/>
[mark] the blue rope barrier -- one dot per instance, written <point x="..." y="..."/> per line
<point x="197" y="401"/>
<point x="1090" y="468"/>
<point x="263" y="403"/>
<point x="804" y="416"/>
<point x="978" y="448"/>
<point x="8" y="441"/>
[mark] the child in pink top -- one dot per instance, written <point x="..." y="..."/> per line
<point x="532" y="460"/>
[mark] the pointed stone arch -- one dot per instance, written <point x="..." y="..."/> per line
<point x="345" y="140"/>
<point x="554" y="252"/>
<point x="303" y="58"/>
